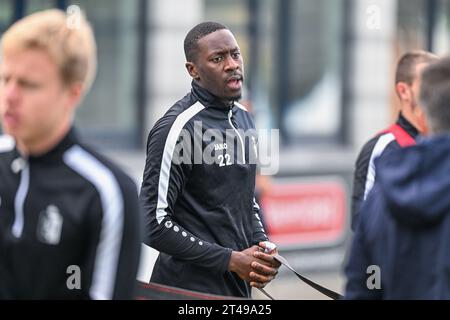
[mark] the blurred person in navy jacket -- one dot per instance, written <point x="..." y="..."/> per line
<point x="402" y="133"/>
<point x="403" y="235"/>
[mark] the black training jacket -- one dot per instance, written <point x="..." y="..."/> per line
<point x="199" y="211"/>
<point x="69" y="225"/>
<point x="365" y="172"/>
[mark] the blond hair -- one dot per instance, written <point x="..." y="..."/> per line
<point x="70" y="43"/>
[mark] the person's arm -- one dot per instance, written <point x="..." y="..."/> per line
<point x="360" y="257"/>
<point x="266" y="268"/>
<point x="113" y="240"/>
<point x="132" y="237"/>
<point x="360" y="178"/>
<point x="365" y="170"/>
<point x="163" y="182"/>
<point x="259" y="233"/>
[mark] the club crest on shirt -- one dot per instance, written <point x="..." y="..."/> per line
<point x="50" y="225"/>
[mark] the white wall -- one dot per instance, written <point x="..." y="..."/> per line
<point x="168" y="80"/>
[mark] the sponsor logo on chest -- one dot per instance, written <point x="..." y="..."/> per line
<point x="220" y="146"/>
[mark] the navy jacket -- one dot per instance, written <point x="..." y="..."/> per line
<point x="404" y="226"/>
<point x="199" y="211"/>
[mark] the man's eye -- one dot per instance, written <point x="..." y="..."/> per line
<point x="236" y="55"/>
<point x="3" y="80"/>
<point x="217" y="59"/>
<point x="28" y="85"/>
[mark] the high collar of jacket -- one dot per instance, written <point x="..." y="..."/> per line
<point x="208" y="99"/>
<point x="407" y="126"/>
<point x="55" y="153"/>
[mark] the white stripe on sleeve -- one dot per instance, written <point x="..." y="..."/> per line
<point x="381" y="144"/>
<point x="110" y="240"/>
<point x="166" y="162"/>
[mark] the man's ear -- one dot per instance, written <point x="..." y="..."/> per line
<point x="75" y="93"/>
<point x="192" y="70"/>
<point x="402" y="91"/>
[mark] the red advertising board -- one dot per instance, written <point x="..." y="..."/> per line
<point x="305" y="214"/>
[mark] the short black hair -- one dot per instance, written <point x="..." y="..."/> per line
<point x="196" y="33"/>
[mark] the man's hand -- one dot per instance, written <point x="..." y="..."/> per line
<point x="265" y="253"/>
<point x="257" y="270"/>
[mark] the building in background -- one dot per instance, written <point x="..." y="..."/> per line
<point x="320" y="71"/>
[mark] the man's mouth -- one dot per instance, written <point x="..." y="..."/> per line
<point x="234" y="82"/>
<point x="10" y="119"/>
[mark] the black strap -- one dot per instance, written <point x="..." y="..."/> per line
<point x="266" y="294"/>
<point x="329" y="293"/>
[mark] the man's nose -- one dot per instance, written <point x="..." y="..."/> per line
<point x="10" y="92"/>
<point x="231" y="63"/>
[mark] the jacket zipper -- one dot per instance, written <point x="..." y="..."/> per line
<point x="230" y="114"/>
<point x="19" y="201"/>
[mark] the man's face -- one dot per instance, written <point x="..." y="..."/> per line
<point x="409" y="97"/>
<point x="219" y="67"/>
<point x="418" y="114"/>
<point x="415" y="86"/>
<point x="33" y="100"/>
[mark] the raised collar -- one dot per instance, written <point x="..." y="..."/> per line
<point x="407" y="126"/>
<point x="58" y="150"/>
<point x="208" y="99"/>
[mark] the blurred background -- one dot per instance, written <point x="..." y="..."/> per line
<point x="320" y="71"/>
